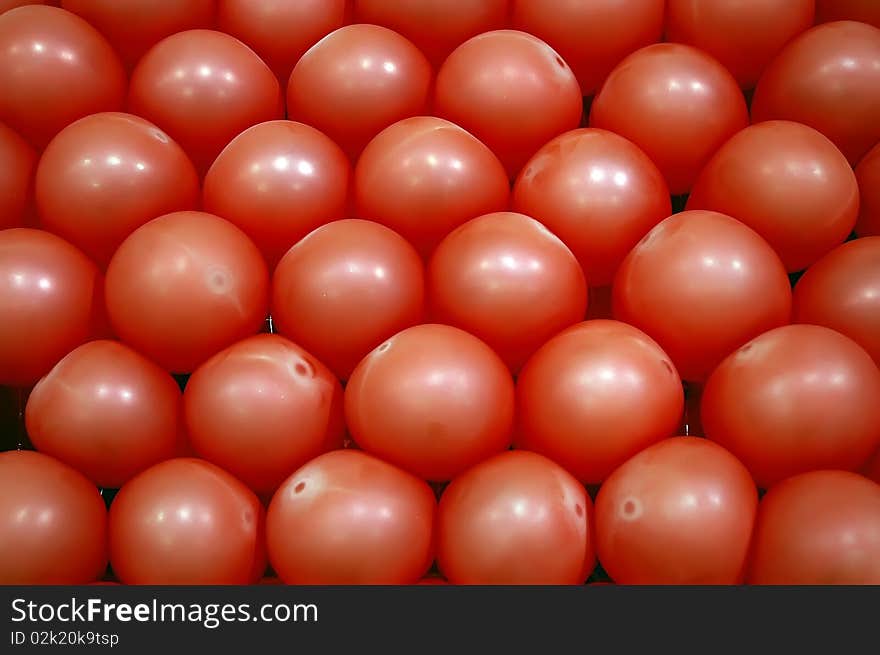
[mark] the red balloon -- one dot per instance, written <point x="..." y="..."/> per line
<point x="54" y="69"/>
<point x="184" y="286"/>
<point x="134" y="26"/>
<point x="597" y="192"/>
<point x="344" y="289"/>
<point x="204" y="88"/>
<point x="106" y="411"/>
<point x="515" y="518"/>
<point x="594" y="396"/>
<point x="508" y="280"/>
<point x="702" y="284"/>
<point x="261" y="409"/>
<point x="827" y="78"/>
<point x="17" y="161"/>
<point x="795" y="399"/>
<point x="842" y="291"/>
<point x="744" y="37"/>
<point x="676" y="103"/>
<point x="431" y="24"/>
<point x="433" y="400"/>
<point x="512" y="91"/>
<point x="679" y="512"/>
<point x="593" y="36"/>
<point x="106" y="175"/>
<point x="349" y="518"/>
<point x="357" y="81"/>
<point x="425" y="176"/>
<point x="53" y="523"/>
<point x="865" y="11"/>
<point x="868" y="176"/>
<point x="6" y="5"/>
<point x="187" y="522"/>
<point x="818" y="528"/>
<point x="280" y="31"/>
<point x="278" y="181"/>
<point x="787" y="182"/>
<point x="51" y="301"/>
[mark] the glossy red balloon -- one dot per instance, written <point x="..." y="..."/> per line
<point x="278" y="181"/>
<point x="184" y="286"/>
<point x="51" y="301"/>
<point x="431" y="24"/>
<point x="425" y="176"/>
<point x="508" y="280"/>
<point x="818" y="528"/>
<point x="679" y="512"/>
<point x="106" y="175"/>
<point x="597" y="192"/>
<point x="676" y="103"/>
<point x="842" y="291"/>
<point x="349" y="518"/>
<point x="344" y="289"/>
<point x="106" y="411"/>
<point x="593" y="36"/>
<point x="515" y="518"/>
<point x="788" y="183"/>
<point x="357" y="81"/>
<point x="702" y="284"/>
<point x="17" y="161"/>
<point x="54" y="69"/>
<point x="134" y="26"/>
<point x="433" y="400"/>
<point x="595" y="395"/>
<point x="743" y="36"/>
<point x="795" y="399"/>
<point x="510" y="90"/>
<point x="53" y="523"/>
<point x="827" y="78"/>
<point x="864" y="11"/>
<point x="204" y="88"/>
<point x="261" y="409"/>
<point x="868" y="176"/>
<point x="187" y="522"/>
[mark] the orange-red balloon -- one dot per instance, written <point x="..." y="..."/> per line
<point x="106" y="411"/>
<point x="676" y="103"/>
<point x="842" y="291"/>
<point x="278" y="181"/>
<point x="349" y="518"/>
<point x="868" y="176"/>
<point x="595" y="395"/>
<point x="816" y="529"/>
<point x="864" y="11"/>
<point x="788" y="183"/>
<point x="184" y="286"/>
<point x="424" y="176"/>
<point x="593" y="36"/>
<point x="18" y="162"/>
<point x="743" y="36"/>
<point x="510" y="90"/>
<point x="827" y="78"/>
<point x="51" y="301"/>
<point x="204" y="88"/>
<point x="357" y="81"/>
<point x="516" y="518"/>
<point x="596" y="191"/>
<point x="53" y="523"/>
<point x="106" y="175"/>
<point x="54" y="69"/>
<point x="345" y="288"/>
<point x="508" y="280"/>
<point x="261" y="409"/>
<point x="433" y="400"/>
<point x="702" y="284"/>
<point x="679" y="512"/>
<point x="187" y="522"/>
<point x="795" y="399"/>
